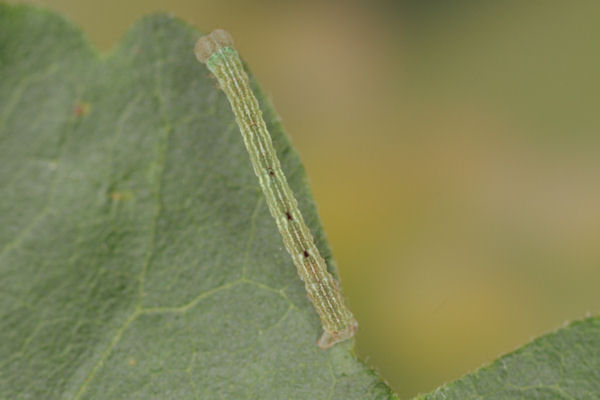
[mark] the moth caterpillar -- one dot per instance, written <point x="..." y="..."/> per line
<point x="217" y="52"/>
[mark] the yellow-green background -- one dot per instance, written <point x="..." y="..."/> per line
<point x="454" y="151"/>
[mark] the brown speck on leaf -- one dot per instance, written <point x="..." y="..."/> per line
<point x="80" y="109"/>
<point x="116" y="196"/>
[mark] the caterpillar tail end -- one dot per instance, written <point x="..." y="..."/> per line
<point x="207" y="45"/>
<point x="328" y="339"/>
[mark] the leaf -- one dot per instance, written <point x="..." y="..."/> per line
<point x="563" y="365"/>
<point x="137" y="256"/>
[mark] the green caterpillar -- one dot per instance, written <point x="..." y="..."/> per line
<point x="217" y="52"/>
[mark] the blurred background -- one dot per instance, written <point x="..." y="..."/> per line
<point x="453" y="148"/>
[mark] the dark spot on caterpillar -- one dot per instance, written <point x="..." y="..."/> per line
<point x="288" y="215"/>
<point x="271" y="173"/>
<point x="305" y="254"/>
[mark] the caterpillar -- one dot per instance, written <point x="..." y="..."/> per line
<point x="217" y="52"/>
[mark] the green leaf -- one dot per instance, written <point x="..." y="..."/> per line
<point x="563" y="365"/>
<point x="137" y="257"/>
